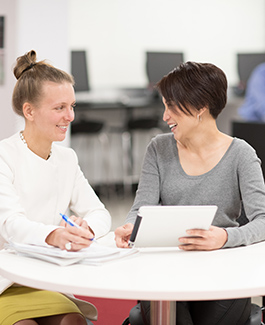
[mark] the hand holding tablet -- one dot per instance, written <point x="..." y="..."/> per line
<point x="162" y="226"/>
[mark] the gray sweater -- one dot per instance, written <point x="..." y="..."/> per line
<point x="237" y="177"/>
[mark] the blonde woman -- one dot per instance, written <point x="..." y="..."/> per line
<point x="39" y="180"/>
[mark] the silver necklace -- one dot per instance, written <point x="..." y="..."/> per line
<point x="25" y="142"/>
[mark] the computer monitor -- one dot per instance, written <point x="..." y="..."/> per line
<point x="159" y="64"/>
<point x="79" y="70"/>
<point x="246" y="63"/>
<point x="253" y="133"/>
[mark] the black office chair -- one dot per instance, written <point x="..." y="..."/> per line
<point x="86" y="127"/>
<point x="90" y="142"/>
<point x="83" y="129"/>
<point x="252" y="133"/>
<point x="246" y="63"/>
<point x="159" y="64"/>
<point x="255" y="317"/>
<point x="132" y="159"/>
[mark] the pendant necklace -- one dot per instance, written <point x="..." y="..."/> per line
<point x="25" y="142"/>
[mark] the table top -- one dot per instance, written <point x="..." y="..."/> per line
<point x="151" y="274"/>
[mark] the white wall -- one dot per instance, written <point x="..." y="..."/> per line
<point x="8" y="120"/>
<point x="31" y="24"/>
<point x="116" y="34"/>
<point x="43" y="26"/>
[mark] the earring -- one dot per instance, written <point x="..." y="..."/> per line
<point x="199" y="118"/>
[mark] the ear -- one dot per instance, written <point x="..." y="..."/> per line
<point x="28" y="111"/>
<point x="200" y="114"/>
<point x="201" y="111"/>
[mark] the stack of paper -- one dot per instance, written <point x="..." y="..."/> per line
<point x="96" y="254"/>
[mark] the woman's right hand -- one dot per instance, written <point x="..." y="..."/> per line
<point x="78" y="237"/>
<point x="123" y="234"/>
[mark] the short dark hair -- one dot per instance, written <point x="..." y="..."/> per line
<point x="195" y="85"/>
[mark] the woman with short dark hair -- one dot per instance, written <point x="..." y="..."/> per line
<point x="196" y="164"/>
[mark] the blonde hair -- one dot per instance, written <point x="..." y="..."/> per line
<point x="30" y="76"/>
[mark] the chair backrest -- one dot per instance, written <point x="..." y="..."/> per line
<point x="255" y="317"/>
<point x="246" y="63"/>
<point x="79" y="70"/>
<point x="253" y="133"/>
<point x="86" y="127"/>
<point x="159" y="64"/>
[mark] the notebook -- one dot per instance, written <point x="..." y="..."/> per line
<point x="95" y="254"/>
<point x="161" y="226"/>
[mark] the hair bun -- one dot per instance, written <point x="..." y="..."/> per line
<point x="28" y="68"/>
<point x="25" y="63"/>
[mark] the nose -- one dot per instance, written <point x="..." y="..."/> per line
<point x="166" y="116"/>
<point x="70" y="116"/>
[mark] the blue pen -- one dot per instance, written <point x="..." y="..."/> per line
<point x="71" y="222"/>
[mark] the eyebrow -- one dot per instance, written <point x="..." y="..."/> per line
<point x="64" y="103"/>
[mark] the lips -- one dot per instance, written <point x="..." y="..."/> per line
<point x="63" y="127"/>
<point x="171" y="126"/>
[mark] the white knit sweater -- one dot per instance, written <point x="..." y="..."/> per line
<point x="34" y="191"/>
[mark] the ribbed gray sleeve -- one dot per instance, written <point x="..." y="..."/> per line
<point x="236" y="178"/>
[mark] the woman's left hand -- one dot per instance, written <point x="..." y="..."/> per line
<point x="204" y="240"/>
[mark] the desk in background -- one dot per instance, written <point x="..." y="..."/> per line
<point x="131" y="117"/>
<point x="115" y="108"/>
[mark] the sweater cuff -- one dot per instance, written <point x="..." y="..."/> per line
<point x="232" y="238"/>
<point x="39" y="236"/>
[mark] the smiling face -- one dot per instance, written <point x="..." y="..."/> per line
<point x="181" y="125"/>
<point x="52" y="116"/>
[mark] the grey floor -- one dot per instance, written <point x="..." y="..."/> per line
<point x="257" y="300"/>
<point x="118" y="206"/>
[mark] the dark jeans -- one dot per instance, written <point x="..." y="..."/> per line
<point x="216" y="312"/>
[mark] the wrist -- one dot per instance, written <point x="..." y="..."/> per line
<point x="225" y="237"/>
<point x="50" y="239"/>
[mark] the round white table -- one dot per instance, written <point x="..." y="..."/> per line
<point x="160" y="275"/>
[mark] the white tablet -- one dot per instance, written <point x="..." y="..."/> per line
<point x="161" y="226"/>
